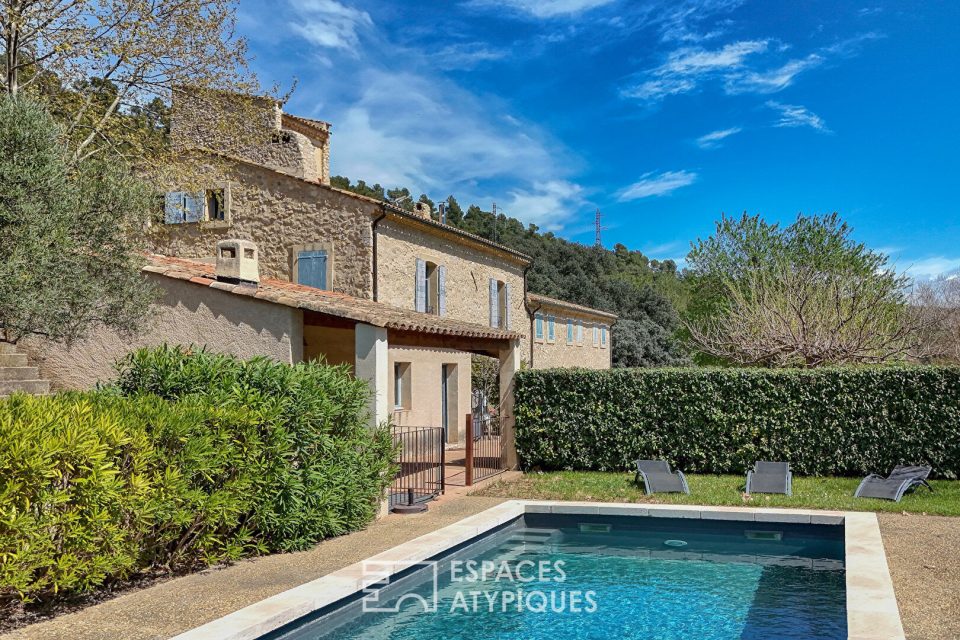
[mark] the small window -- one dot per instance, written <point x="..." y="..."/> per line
<point x="579" y="332"/>
<point x="502" y="304"/>
<point x="603" y="337"/>
<point x="216" y="210"/>
<point x="569" y="331"/>
<point x="539" y="324"/>
<point x="181" y="207"/>
<point x="596" y="336"/>
<point x="401" y="385"/>
<point x="432" y="289"/>
<point x="551" y="321"/>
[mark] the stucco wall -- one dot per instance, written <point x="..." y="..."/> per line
<point x="559" y="353"/>
<point x="187" y="314"/>
<point x="335" y="345"/>
<point x="279" y="212"/>
<point x="425" y="388"/>
<point x="468" y="271"/>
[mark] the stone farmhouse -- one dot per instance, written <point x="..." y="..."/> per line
<point x="265" y="257"/>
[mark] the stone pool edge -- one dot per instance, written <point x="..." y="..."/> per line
<point x="872" y="611"/>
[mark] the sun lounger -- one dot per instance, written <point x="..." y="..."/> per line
<point x="902" y="479"/>
<point x="658" y="478"/>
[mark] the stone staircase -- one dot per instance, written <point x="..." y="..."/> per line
<point x="17" y="375"/>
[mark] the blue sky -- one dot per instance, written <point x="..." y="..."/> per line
<point x="661" y="113"/>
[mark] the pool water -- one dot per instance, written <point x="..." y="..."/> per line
<point x="556" y="577"/>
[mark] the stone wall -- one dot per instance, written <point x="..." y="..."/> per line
<point x="279" y="213"/>
<point x="468" y="270"/>
<point x="559" y="352"/>
<point x="187" y="314"/>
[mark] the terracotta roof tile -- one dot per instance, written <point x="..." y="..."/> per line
<point x="326" y="302"/>
<point x="563" y="304"/>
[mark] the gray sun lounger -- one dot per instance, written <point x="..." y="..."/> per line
<point x="658" y="478"/>
<point x="770" y="477"/>
<point x="903" y="478"/>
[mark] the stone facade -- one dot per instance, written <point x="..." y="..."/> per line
<point x="590" y="346"/>
<point x="187" y="314"/>
<point x="281" y="213"/>
<point x="468" y="272"/>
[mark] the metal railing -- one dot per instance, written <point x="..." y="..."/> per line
<point x="484" y="450"/>
<point x="420" y="460"/>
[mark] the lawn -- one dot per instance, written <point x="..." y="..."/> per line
<point x="808" y="492"/>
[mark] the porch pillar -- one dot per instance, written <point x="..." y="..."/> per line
<point x="372" y="366"/>
<point x="509" y="365"/>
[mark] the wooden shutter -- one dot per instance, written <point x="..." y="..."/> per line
<point x="420" y="288"/>
<point x="312" y="269"/>
<point x="494" y="307"/>
<point x="193" y="205"/>
<point x="506" y="306"/>
<point x="442" y="290"/>
<point x="173" y="207"/>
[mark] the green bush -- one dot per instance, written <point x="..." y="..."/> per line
<point x="832" y="421"/>
<point x="187" y="460"/>
<point x="321" y="470"/>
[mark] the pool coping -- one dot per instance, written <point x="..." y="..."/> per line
<point x="872" y="612"/>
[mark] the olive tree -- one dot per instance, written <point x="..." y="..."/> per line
<point x="70" y="234"/>
<point x="803" y="295"/>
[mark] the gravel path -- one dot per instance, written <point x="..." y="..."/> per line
<point x="924" y="557"/>
<point x="922" y="552"/>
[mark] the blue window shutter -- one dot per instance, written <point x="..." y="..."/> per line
<point x="580" y="331"/>
<point x="420" y="287"/>
<point x="539" y="325"/>
<point x="173" y="207"/>
<point x="506" y="306"/>
<point x="551" y="328"/>
<point x="494" y="307"/>
<point x="570" y="331"/>
<point x="442" y="290"/>
<point x="312" y="269"/>
<point x="193" y="205"/>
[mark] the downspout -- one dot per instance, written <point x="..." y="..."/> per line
<point x="610" y="341"/>
<point x="373" y="230"/>
<point x="530" y="312"/>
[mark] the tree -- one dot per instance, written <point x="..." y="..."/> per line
<point x="936" y="305"/>
<point x="92" y="61"/>
<point x="803" y="295"/>
<point x="70" y="234"/>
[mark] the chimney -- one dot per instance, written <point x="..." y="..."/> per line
<point x="442" y="210"/>
<point x="422" y="209"/>
<point x="238" y="262"/>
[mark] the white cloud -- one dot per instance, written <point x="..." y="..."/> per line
<point x="932" y="267"/>
<point x="714" y="138"/>
<point x="772" y="80"/>
<point x="657" y="185"/>
<point x="466" y="56"/>
<point x="792" y="115"/>
<point x="684" y="68"/>
<point x="543" y="8"/>
<point x="547" y="204"/>
<point x="330" y="24"/>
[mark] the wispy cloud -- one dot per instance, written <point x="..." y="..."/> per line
<point x="931" y="267"/>
<point x="466" y="55"/>
<point x="545" y="204"/>
<point x="714" y="139"/>
<point x="542" y="8"/>
<point x="772" y="80"/>
<point x="792" y="115"/>
<point x="330" y="24"/>
<point x="660" y="184"/>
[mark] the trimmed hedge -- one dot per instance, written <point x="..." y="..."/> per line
<point x="188" y="460"/>
<point x="831" y="421"/>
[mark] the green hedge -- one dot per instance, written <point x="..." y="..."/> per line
<point x="189" y="459"/>
<point x="834" y="421"/>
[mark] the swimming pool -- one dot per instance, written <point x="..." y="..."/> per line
<point x="560" y="570"/>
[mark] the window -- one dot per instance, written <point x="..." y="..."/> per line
<point x="312" y="265"/>
<point x="430" y="288"/>
<point x="499" y="304"/>
<point x="550" y="328"/>
<point x="539" y="326"/>
<point x="603" y="337"/>
<point x="569" y="331"/>
<point x="210" y="205"/>
<point x="596" y="339"/>
<point x="579" y="332"/>
<point x="401" y="385"/>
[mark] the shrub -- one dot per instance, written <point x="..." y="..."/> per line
<point x="839" y="421"/>
<point x="94" y="487"/>
<point x="321" y="472"/>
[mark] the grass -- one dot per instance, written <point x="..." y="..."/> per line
<point x="808" y="493"/>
